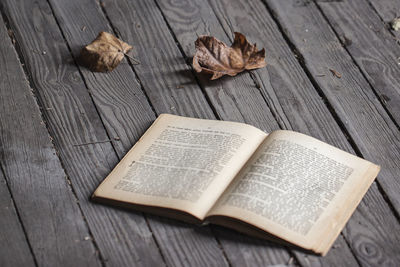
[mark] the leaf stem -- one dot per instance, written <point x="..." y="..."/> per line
<point x="135" y="61"/>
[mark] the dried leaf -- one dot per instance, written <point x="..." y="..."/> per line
<point x="215" y="57"/>
<point x="104" y="53"/>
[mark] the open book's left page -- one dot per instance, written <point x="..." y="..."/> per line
<point x="182" y="163"/>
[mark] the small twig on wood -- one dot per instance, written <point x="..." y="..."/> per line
<point x="92" y="143"/>
<point x="136" y="62"/>
<point x="335" y="73"/>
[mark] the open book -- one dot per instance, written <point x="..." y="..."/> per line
<point x="284" y="186"/>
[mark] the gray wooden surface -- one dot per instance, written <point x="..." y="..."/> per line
<point x="53" y="223"/>
<point x="64" y="128"/>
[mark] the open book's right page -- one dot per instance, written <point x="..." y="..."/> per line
<point x="299" y="189"/>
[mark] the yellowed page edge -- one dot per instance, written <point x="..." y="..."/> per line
<point x="325" y="243"/>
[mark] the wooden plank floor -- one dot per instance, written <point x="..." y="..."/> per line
<point x="64" y="128"/>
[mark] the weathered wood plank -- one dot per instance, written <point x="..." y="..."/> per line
<point x="14" y="247"/>
<point x="305" y="110"/>
<point x="72" y="18"/>
<point x="243" y="250"/>
<point x="365" y="120"/>
<point x="374" y="233"/>
<point x="179" y="14"/>
<point x="144" y="71"/>
<point x="229" y="97"/>
<point x="388" y="10"/>
<point x="104" y="100"/>
<point x="157" y="68"/>
<point x="188" y="19"/>
<point x="46" y="205"/>
<point x="123" y="238"/>
<point x="149" y="27"/>
<point x="371" y="45"/>
<point x="229" y="19"/>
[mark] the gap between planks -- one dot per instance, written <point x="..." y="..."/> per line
<point x="213" y="108"/>
<point x="105" y="128"/>
<point x="133" y="69"/>
<point x="41" y="106"/>
<point x="381" y="190"/>
<point x="36" y="97"/>
<point x="195" y="76"/>
<point x="3" y="173"/>
<point x="10" y="34"/>
<point x="189" y="65"/>
<point x="398" y="42"/>
<point x="209" y="101"/>
<point x="101" y="5"/>
<point x="342" y="42"/>
<point x="102" y="8"/>
<point x="198" y="83"/>
<point x="299" y="58"/>
<point x="228" y="23"/>
<point x="252" y="75"/>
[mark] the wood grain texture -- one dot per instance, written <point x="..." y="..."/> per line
<point x="237" y="21"/>
<point x="160" y="73"/>
<point x="47" y="208"/>
<point x="283" y="82"/>
<point x="188" y="19"/>
<point x="231" y="98"/>
<point x="118" y="95"/>
<point x="14" y="247"/>
<point x="387" y="11"/>
<point x="234" y="98"/>
<point x="306" y="111"/>
<point x="123" y="238"/>
<point x="165" y="61"/>
<point x="373" y="47"/>
<point x="365" y="121"/>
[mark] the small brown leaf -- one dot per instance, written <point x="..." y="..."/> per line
<point x="104" y="53"/>
<point x="215" y="57"/>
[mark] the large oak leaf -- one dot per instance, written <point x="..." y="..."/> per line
<point x="104" y="53"/>
<point x="215" y="57"/>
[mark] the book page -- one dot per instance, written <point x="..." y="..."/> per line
<point x="182" y="163"/>
<point x="299" y="189"/>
